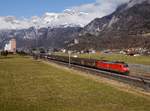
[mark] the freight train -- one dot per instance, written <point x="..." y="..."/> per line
<point x="117" y="67"/>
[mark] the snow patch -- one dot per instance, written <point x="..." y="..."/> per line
<point x="113" y="21"/>
<point x="134" y="2"/>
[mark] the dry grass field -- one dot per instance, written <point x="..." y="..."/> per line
<point x="29" y="85"/>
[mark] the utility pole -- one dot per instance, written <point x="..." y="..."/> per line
<point x="69" y="53"/>
<point x="89" y="55"/>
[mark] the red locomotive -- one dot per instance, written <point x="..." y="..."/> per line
<point x="120" y="67"/>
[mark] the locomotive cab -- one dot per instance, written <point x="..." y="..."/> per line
<point x="125" y="68"/>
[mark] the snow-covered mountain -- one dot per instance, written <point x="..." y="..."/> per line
<point x="67" y="18"/>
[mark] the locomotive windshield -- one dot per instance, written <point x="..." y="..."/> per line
<point x="126" y="65"/>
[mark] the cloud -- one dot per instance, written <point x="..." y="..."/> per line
<point x="100" y="8"/>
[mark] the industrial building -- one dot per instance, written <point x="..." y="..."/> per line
<point x="11" y="46"/>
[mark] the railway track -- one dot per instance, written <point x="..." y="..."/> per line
<point x="141" y="82"/>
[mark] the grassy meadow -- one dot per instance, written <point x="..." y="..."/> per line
<point x="29" y="85"/>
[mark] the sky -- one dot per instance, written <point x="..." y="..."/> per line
<point x="29" y="8"/>
<point x="40" y="13"/>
